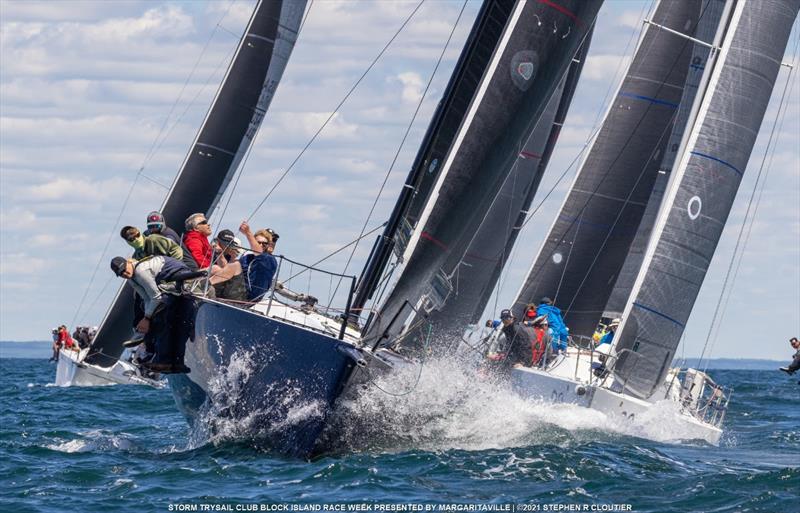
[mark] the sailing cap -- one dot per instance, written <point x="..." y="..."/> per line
<point x="542" y="319"/>
<point x="506" y="314"/>
<point x="546" y="300"/>
<point x="274" y="235"/>
<point x="155" y="218"/>
<point x="226" y="237"/>
<point x="118" y="265"/>
<point x="615" y="322"/>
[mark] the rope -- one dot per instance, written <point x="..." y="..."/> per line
<point x="768" y="153"/>
<point x="403" y="141"/>
<point x="335" y="111"/>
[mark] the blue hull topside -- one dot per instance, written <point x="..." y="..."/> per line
<point x="276" y="380"/>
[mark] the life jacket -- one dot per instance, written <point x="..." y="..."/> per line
<point x="537" y="346"/>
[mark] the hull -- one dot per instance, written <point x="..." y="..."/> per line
<point x="569" y="381"/>
<point x="274" y="376"/>
<point x="73" y="371"/>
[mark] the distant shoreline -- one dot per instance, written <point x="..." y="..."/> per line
<point x="38" y="349"/>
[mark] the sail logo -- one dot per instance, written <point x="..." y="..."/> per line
<point x="693" y="207"/>
<point x="524" y="66"/>
<point x="525" y="69"/>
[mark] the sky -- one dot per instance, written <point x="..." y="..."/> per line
<point x="99" y="100"/>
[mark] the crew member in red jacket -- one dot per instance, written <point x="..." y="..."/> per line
<point x="196" y="239"/>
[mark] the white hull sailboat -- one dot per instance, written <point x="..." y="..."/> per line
<point x="652" y="245"/>
<point x="72" y="370"/>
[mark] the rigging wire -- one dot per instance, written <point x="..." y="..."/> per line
<point x="403" y="141"/>
<point x="731" y="274"/>
<point x="335" y="111"/>
<point x="154" y="148"/>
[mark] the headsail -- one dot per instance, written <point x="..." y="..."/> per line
<point x="442" y="130"/>
<point x="699" y="200"/>
<point x="479" y="269"/>
<point x="538" y="43"/>
<point x="586" y="246"/>
<point x="712" y="11"/>
<point x="227" y="132"/>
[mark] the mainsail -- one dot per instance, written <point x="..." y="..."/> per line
<point x="712" y="12"/>
<point x="227" y="132"/>
<point x="701" y="194"/>
<point x="479" y="269"/>
<point x="538" y="43"/>
<point x="586" y="246"/>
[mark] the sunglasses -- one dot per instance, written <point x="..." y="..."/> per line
<point x="204" y="221"/>
<point x="264" y="243"/>
<point x="131" y="238"/>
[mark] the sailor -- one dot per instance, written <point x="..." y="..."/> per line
<point x="64" y="340"/>
<point x="257" y="267"/>
<point x="530" y="315"/>
<point x="168" y="316"/>
<point x="56" y="345"/>
<point x="795" y="365"/>
<point x="156" y="224"/>
<point x="540" y="347"/>
<point x="557" y="327"/>
<point x="226" y="252"/>
<point x="226" y="245"/>
<point x="612" y="329"/>
<point x="196" y="239"/>
<point x="150" y="245"/>
<point x="519" y="339"/>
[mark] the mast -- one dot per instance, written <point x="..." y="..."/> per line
<point x="701" y="195"/>
<point x="587" y="243"/>
<point x="222" y="141"/>
<point x="538" y="43"/>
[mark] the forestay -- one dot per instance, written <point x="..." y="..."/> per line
<point x="700" y="197"/>
<point x="227" y="132"/>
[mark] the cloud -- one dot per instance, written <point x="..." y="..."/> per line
<point x="412" y="86"/>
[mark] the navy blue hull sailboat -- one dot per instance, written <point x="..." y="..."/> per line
<point x="274" y="370"/>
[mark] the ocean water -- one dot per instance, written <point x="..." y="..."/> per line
<point x="440" y="438"/>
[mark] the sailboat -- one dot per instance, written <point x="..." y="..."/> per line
<point x="228" y="130"/>
<point x="640" y="239"/>
<point x="277" y="369"/>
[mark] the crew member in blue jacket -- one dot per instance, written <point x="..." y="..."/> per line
<point x="557" y="327"/>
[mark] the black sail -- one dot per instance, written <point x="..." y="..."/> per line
<point x="227" y="132"/>
<point x="442" y="130"/>
<point x="538" y="43"/>
<point x="699" y="199"/>
<point x="706" y="29"/>
<point x="587" y="244"/>
<point x="479" y="269"/>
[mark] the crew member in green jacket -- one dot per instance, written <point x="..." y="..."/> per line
<point x="151" y="245"/>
